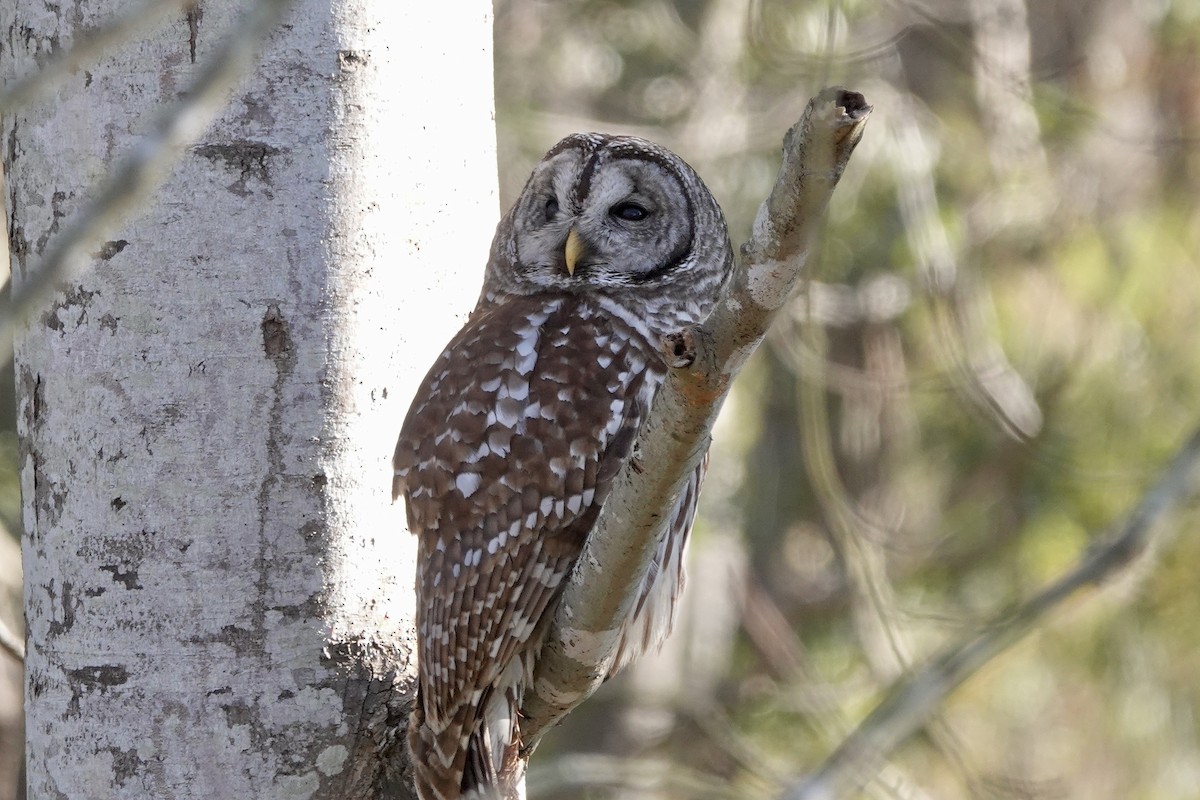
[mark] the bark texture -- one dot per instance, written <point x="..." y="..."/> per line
<point x="218" y="590"/>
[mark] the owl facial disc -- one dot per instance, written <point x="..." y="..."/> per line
<point x="613" y="216"/>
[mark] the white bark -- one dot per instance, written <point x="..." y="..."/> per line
<point x="218" y="589"/>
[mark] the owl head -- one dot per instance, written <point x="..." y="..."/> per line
<point x="616" y="215"/>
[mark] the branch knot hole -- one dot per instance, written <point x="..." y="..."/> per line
<point x="679" y="349"/>
<point x="853" y="103"/>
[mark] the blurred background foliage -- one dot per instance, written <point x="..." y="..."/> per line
<point x="996" y="355"/>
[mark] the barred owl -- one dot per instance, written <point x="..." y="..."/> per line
<point x="513" y="439"/>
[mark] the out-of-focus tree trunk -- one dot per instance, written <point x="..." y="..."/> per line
<point x="218" y="588"/>
<point x="11" y="722"/>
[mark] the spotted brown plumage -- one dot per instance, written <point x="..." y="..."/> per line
<point x="512" y="441"/>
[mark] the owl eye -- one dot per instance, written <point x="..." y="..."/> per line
<point x="630" y="212"/>
<point x="551" y="208"/>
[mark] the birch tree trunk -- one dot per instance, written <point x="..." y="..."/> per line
<point x="218" y="588"/>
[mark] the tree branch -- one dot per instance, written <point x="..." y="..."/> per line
<point x="85" y="47"/>
<point x="11" y="643"/>
<point x="147" y="165"/>
<point x="703" y="361"/>
<point x="570" y="775"/>
<point x="915" y="698"/>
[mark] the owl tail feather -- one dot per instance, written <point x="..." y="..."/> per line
<point x="475" y="756"/>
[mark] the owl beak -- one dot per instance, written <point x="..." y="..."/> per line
<point x="573" y="250"/>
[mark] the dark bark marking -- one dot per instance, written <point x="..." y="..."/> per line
<point x="67" y="604"/>
<point x="37" y="402"/>
<point x="373" y="679"/>
<point x="242" y="640"/>
<point x="311" y="533"/>
<point x="258" y="109"/>
<point x="98" y="678"/>
<point x="57" y="202"/>
<point x="277" y="345"/>
<point x="121" y="555"/>
<point x="18" y="243"/>
<point x="76" y="296"/>
<point x="239" y="713"/>
<point x="276" y="338"/>
<point x="351" y="59"/>
<point x="10" y="157"/>
<point x="32" y="392"/>
<point x="193" y="16"/>
<point x="125" y="765"/>
<point x="128" y="578"/>
<point x="49" y="496"/>
<point x="246" y="157"/>
<point x="109" y="323"/>
<point x="110" y="249"/>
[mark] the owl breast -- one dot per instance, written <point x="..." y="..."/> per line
<point x="533" y="392"/>
<point x="504" y="460"/>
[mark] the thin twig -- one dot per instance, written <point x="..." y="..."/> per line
<point x="960" y="310"/>
<point x="915" y="698"/>
<point x="144" y="169"/>
<point x="860" y="543"/>
<point x="85" y="47"/>
<point x="597" y="597"/>
<point x="11" y="643"/>
<point x="570" y="774"/>
<point x="722" y="733"/>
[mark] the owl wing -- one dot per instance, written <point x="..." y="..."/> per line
<point x="505" y="458"/>
<point x="653" y="614"/>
